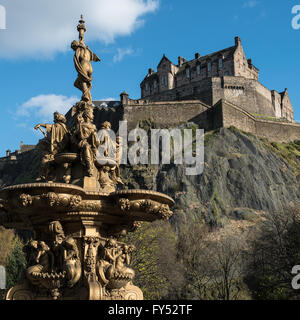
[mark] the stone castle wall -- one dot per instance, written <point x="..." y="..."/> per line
<point x="274" y="131"/>
<point x="168" y="113"/>
<point x="249" y="94"/>
<point x="222" y="114"/>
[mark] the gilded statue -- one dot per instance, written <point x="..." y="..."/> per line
<point x="85" y="136"/>
<point x="82" y="60"/>
<point x="55" y="140"/>
<point x="109" y="149"/>
<point x="56" y="135"/>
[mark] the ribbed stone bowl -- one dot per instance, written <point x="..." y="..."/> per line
<point x="26" y="205"/>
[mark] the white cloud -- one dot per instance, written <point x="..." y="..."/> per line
<point x="250" y="4"/>
<point x="43" y="106"/>
<point x="121" y="53"/>
<point x="40" y="29"/>
<point x="109" y="99"/>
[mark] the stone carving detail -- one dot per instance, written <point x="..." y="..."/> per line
<point x="149" y="206"/>
<point x="90" y="248"/>
<point x="113" y="271"/>
<point x="124" y="204"/>
<point x="75" y="201"/>
<point x="54" y="265"/>
<point x="25" y="200"/>
<point x="85" y="137"/>
<point x="51" y="198"/>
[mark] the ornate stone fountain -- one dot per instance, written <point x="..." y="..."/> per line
<point x="77" y="216"/>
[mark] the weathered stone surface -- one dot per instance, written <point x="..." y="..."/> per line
<point x="239" y="172"/>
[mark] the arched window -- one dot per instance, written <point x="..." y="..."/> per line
<point x="164" y="80"/>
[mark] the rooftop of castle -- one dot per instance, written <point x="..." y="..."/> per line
<point x="225" y="54"/>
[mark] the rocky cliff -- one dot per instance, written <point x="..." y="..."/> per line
<point x="242" y="175"/>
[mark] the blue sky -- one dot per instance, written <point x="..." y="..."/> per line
<point x="130" y="36"/>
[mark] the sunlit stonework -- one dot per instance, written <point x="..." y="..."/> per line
<point x="77" y="216"/>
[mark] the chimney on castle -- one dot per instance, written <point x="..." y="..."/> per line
<point x="8" y="153"/>
<point x="124" y="98"/>
<point x="197" y="55"/>
<point x="181" y="61"/>
<point x="237" y="41"/>
<point x="150" y="71"/>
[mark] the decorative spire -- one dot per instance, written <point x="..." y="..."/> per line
<point x="81" y="28"/>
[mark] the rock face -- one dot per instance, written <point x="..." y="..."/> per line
<point x="240" y="175"/>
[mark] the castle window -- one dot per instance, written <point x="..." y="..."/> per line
<point x="188" y="72"/>
<point x="209" y="66"/>
<point x="164" y="80"/>
<point x="220" y="63"/>
<point x="155" y="84"/>
<point x="147" y="86"/>
<point x="198" y="69"/>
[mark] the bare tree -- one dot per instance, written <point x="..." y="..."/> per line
<point x="275" y="250"/>
<point x="227" y="267"/>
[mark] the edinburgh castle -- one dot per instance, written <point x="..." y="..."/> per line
<point x="221" y="89"/>
<point x="226" y="74"/>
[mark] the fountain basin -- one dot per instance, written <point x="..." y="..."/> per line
<point x="27" y="205"/>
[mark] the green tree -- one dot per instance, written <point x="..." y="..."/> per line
<point x="16" y="264"/>
<point x="154" y="259"/>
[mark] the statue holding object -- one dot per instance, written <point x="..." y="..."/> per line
<point x="82" y="60"/>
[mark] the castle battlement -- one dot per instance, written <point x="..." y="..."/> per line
<point x="13" y="156"/>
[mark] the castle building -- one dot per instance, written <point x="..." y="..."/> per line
<point x="226" y="74"/>
<point x="13" y="155"/>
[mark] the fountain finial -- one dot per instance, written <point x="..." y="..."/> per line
<point x="82" y="60"/>
<point x="81" y="29"/>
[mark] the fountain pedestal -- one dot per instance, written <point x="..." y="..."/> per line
<point x="77" y="252"/>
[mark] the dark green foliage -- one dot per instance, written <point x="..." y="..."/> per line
<point x="16" y="264"/>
